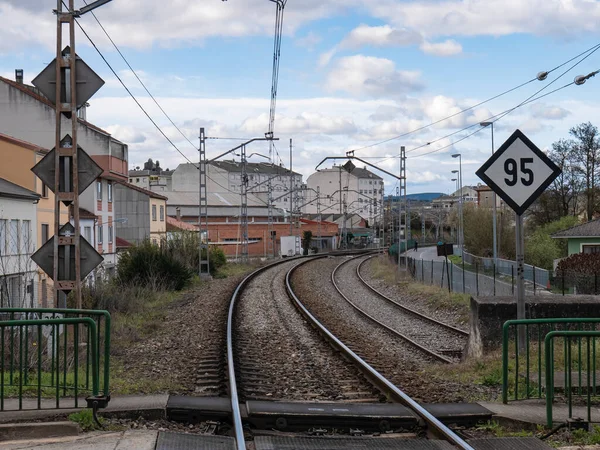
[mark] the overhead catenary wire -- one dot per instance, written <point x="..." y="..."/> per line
<point x="591" y="49"/>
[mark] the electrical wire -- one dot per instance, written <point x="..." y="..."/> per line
<point x="591" y="49"/>
<point x="139" y="79"/>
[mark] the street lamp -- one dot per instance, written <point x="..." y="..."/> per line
<point x="460" y="205"/>
<point x="495" y="239"/>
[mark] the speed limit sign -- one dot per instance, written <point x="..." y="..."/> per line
<point x="518" y="172"/>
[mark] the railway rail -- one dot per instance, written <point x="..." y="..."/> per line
<point x="376" y="378"/>
<point x="436" y="339"/>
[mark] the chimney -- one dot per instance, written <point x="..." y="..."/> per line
<point x="19" y="76"/>
<point x="178" y="214"/>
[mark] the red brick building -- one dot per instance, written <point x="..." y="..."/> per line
<point x="228" y="235"/>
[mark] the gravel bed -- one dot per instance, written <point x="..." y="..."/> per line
<point x="280" y="356"/>
<point x="192" y="333"/>
<point x="434" y="337"/>
<point x="387" y="353"/>
<point x="418" y="303"/>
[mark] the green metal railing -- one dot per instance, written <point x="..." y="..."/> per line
<point x="54" y="353"/>
<point x="527" y="370"/>
<point x="587" y="355"/>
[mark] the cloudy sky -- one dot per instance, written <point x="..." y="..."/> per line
<point x="354" y="74"/>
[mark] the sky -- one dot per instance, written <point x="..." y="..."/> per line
<point x="353" y="74"/>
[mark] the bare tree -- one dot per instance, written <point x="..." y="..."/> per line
<point x="585" y="160"/>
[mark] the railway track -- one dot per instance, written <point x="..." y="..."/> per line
<point x="243" y="352"/>
<point x="437" y="340"/>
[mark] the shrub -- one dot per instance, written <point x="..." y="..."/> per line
<point x="114" y="297"/>
<point x="580" y="271"/>
<point x="149" y="265"/>
<point x="183" y="247"/>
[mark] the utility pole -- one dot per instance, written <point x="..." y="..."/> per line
<point x="291" y="192"/>
<point x="244" y="198"/>
<point x="402" y="211"/>
<point x="319" y="216"/>
<point x="67" y="170"/>
<point x="204" y="266"/>
<point x="344" y="226"/>
<point x="340" y="167"/>
<point x="422" y="225"/>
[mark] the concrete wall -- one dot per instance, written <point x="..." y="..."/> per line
<point x="488" y="315"/>
<point x="575" y="245"/>
<point x="135" y="207"/>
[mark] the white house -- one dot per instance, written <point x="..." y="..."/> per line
<point x="360" y="190"/>
<point x="18" y="241"/>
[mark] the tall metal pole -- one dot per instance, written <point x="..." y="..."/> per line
<point x="494" y="213"/>
<point x="291" y="192"/>
<point x="520" y="244"/>
<point x="204" y="266"/>
<point x="244" y="197"/>
<point x="319" y="232"/>
<point x="402" y="211"/>
<point x="66" y="154"/>
<point x="344" y="226"/>
<point x="340" y="167"/>
<point x="460" y="206"/>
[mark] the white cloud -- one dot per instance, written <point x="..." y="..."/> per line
<point x="380" y="36"/>
<point x="368" y="75"/>
<point x="309" y="41"/>
<point x="545" y="111"/>
<point x="492" y="17"/>
<point x="306" y="122"/>
<point x="326" y="57"/>
<point x="445" y="48"/>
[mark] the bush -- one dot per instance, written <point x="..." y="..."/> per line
<point x="149" y="265"/>
<point x="580" y="271"/>
<point x="183" y="247"/>
<point x="114" y="297"/>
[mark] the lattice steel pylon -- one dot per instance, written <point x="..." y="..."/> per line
<point x="402" y="208"/>
<point x="244" y="201"/>
<point x="319" y="231"/>
<point x="204" y="268"/>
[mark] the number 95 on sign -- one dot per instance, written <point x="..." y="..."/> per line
<point x="518" y="172"/>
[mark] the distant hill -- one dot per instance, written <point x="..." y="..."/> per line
<point x="423" y="197"/>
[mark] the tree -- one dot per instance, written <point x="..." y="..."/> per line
<point x="306" y="241"/>
<point x="586" y="157"/>
<point x="479" y="232"/>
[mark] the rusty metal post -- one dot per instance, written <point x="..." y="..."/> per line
<point x="66" y="155"/>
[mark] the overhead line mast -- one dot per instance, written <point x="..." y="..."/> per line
<point x="280" y="5"/>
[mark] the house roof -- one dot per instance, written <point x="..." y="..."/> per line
<point x="122" y="243"/>
<point x="145" y="173"/>
<point x="20" y="143"/>
<point x="586" y="230"/>
<point x="181" y="198"/>
<point x="32" y="92"/>
<point x="177" y="225"/>
<point x="264" y="168"/>
<point x="12" y="190"/>
<point x="150" y="194"/>
<point x="85" y="214"/>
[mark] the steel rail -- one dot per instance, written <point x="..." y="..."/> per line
<point x="381" y="324"/>
<point x="233" y="394"/>
<point x="406" y="308"/>
<point x="382" y="383"/>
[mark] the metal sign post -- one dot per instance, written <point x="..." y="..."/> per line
<point x="519" y="172"/>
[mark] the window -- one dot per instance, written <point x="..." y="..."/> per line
<point x="110" y="234"/>
<point x="131" y="180"/>
<point x="109" y="186"/>
<point x="3" y="236"/>
<point x="137" y="180"/>
<point x="162" y="213"/>
<point x="45" y="233"/>
<point x="14" y="291"/>
<point x="87" y="234"/>
<point x="13" y="238"/>
<point x="99" y="234"/>
<point x="99" y="189"/>
<point x="153" y="213"/>
<point x="588" y="249"/>
<point x="26" y="243"/>
<point x="44" y="190"/>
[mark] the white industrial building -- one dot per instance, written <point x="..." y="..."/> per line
<point x="345" y="189"/>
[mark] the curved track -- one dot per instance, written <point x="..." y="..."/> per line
<point x="436" y="339"/>
<point x="370" y="373"/>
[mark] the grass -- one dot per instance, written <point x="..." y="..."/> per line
<point x="86" y="421"/>
<point x="433" y="296"/>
